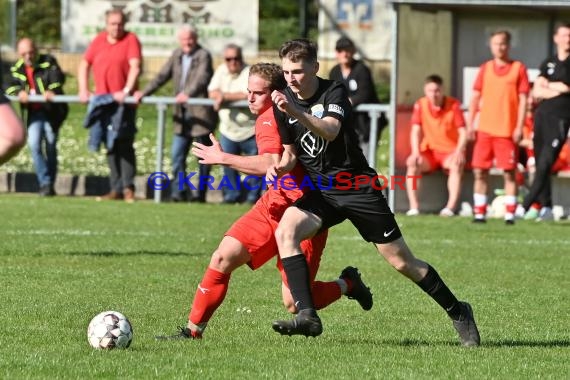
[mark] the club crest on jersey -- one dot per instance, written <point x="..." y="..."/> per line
<point x="550" y="66"/>
<point x="312" y="145"/>
<point x="336" y="109"/>
<point x="318" y="110"/>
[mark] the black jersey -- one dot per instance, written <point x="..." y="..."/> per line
<point x="556" y="70"/>
<point x="324" y="159"/>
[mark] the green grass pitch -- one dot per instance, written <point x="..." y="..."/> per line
<point x="64" y="260"/>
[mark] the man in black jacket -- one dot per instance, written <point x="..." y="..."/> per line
<point x="40" y="74"/>
<point x="357" y="78"/>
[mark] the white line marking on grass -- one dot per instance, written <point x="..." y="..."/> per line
<point x="76" y="232"/>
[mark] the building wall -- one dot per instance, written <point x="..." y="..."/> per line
<point x="425" y="41"/>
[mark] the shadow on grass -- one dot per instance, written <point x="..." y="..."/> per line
<point x="134" y="253"/>
<point x="528" y="343"/>
<point x="486" y="343"/>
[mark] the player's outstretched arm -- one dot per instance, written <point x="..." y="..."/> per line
<point x="284" y="165"/>
<point x="214" y="155"/>
<point x="12" y="133"/>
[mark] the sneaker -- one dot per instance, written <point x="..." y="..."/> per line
<point x="111" y="196"/>
<point x="531" y="214"/>
<point x="413" y="212"/>
<point x="446" y="212"/>
<point x="359" y="292"/>
<point x="479" y="219"/>
<point x="47" y="191"/>
<point x="466" y="327"/>
<point x="183" y="333"/>
<point x="306" y="323"/>
<point x="519" y="212"/>
<point x="129" y="195"/>
<point x="545" y="215"/>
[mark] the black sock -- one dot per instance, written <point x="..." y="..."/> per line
<point x="433" y="285"/>
<point x="298" y="278"/>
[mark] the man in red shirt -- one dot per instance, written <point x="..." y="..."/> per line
<point x="251" y="239"/>
<point x="438" y="140"/>
<point x="115" y="56"/>
<point x="499" y="96"/>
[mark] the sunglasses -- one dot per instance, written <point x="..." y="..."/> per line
<point x="236" y="59"/>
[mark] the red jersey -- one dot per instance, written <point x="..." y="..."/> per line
<point x="439" y="125"/>
<point x="110" y="62"/>
<point x="288" y="189"/>
<point x="500" y="87"/>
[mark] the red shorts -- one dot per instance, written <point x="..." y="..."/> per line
<point x="435" y="159"/>
<point x="256" y="231"/>
<point x="502" y="149"/>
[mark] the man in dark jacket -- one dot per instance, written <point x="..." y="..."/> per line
<point x="357" y="78"/>
<point x="40" y="74"/>
<point x="190" y="68"/>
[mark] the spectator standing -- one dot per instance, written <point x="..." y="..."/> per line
<point x="114" y="57"/>
<point x="40" y="74"/>
<point x="357" y="78"/>
<point x="190" y="68"/>
<point x="237" y="126"/>
<point x="551" y="120"/>
<point x="438" y="139"/>
<point x="499" y="95"/>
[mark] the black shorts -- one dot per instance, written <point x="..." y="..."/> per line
<point x="366" y="209"/>
<point x="3" y="99"/>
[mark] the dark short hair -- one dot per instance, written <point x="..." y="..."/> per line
<point x="504" y="32"/>
<point x="300" y="49"/>
<point x="560" y="25"/>
<point x="236" y="47"/>
<point x="344" y="43"/>
<point x="434" y="78"/>
<point x="271" y="73"/>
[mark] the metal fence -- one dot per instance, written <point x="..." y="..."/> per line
<point x="162" y="103"/>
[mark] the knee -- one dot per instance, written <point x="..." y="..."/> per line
<point x="411" y="165"/>
<point x="224" y="261"/>
<point x="284" y="233"/>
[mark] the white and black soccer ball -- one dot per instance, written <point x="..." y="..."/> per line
<point x="110" y="329"/>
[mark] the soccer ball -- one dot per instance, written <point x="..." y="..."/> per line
<point x="110" y="329"/>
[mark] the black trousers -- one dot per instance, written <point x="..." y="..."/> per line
<point x="122" y="164"/>
<point x="550" y="134"/>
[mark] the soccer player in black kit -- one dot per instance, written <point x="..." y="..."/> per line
<point x="314" y="117"/>
<point x="551" y="119"/>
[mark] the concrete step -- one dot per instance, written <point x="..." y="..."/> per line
<point x="84" y="185"/>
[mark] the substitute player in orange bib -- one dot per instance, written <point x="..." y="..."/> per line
<point x="499" y="96"/>
<point x="437" y="140"/>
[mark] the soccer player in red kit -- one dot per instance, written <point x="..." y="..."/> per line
<point x="250" y="240"/>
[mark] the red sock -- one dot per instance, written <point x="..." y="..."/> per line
<point x="325" y="293"/>
<point x="511" y="208"/>
<point x="209" y="295"/>
<point x="481" y="209"/>
<point x="536" y="206"/>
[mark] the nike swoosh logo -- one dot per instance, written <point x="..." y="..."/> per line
<point x="266" y="122"/>
<point x="292" y="121"/>
<point x="388" y="233"/>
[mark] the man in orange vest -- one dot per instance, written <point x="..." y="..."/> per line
<point x="438" y="140"/>
<point x="499" y="95"/>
